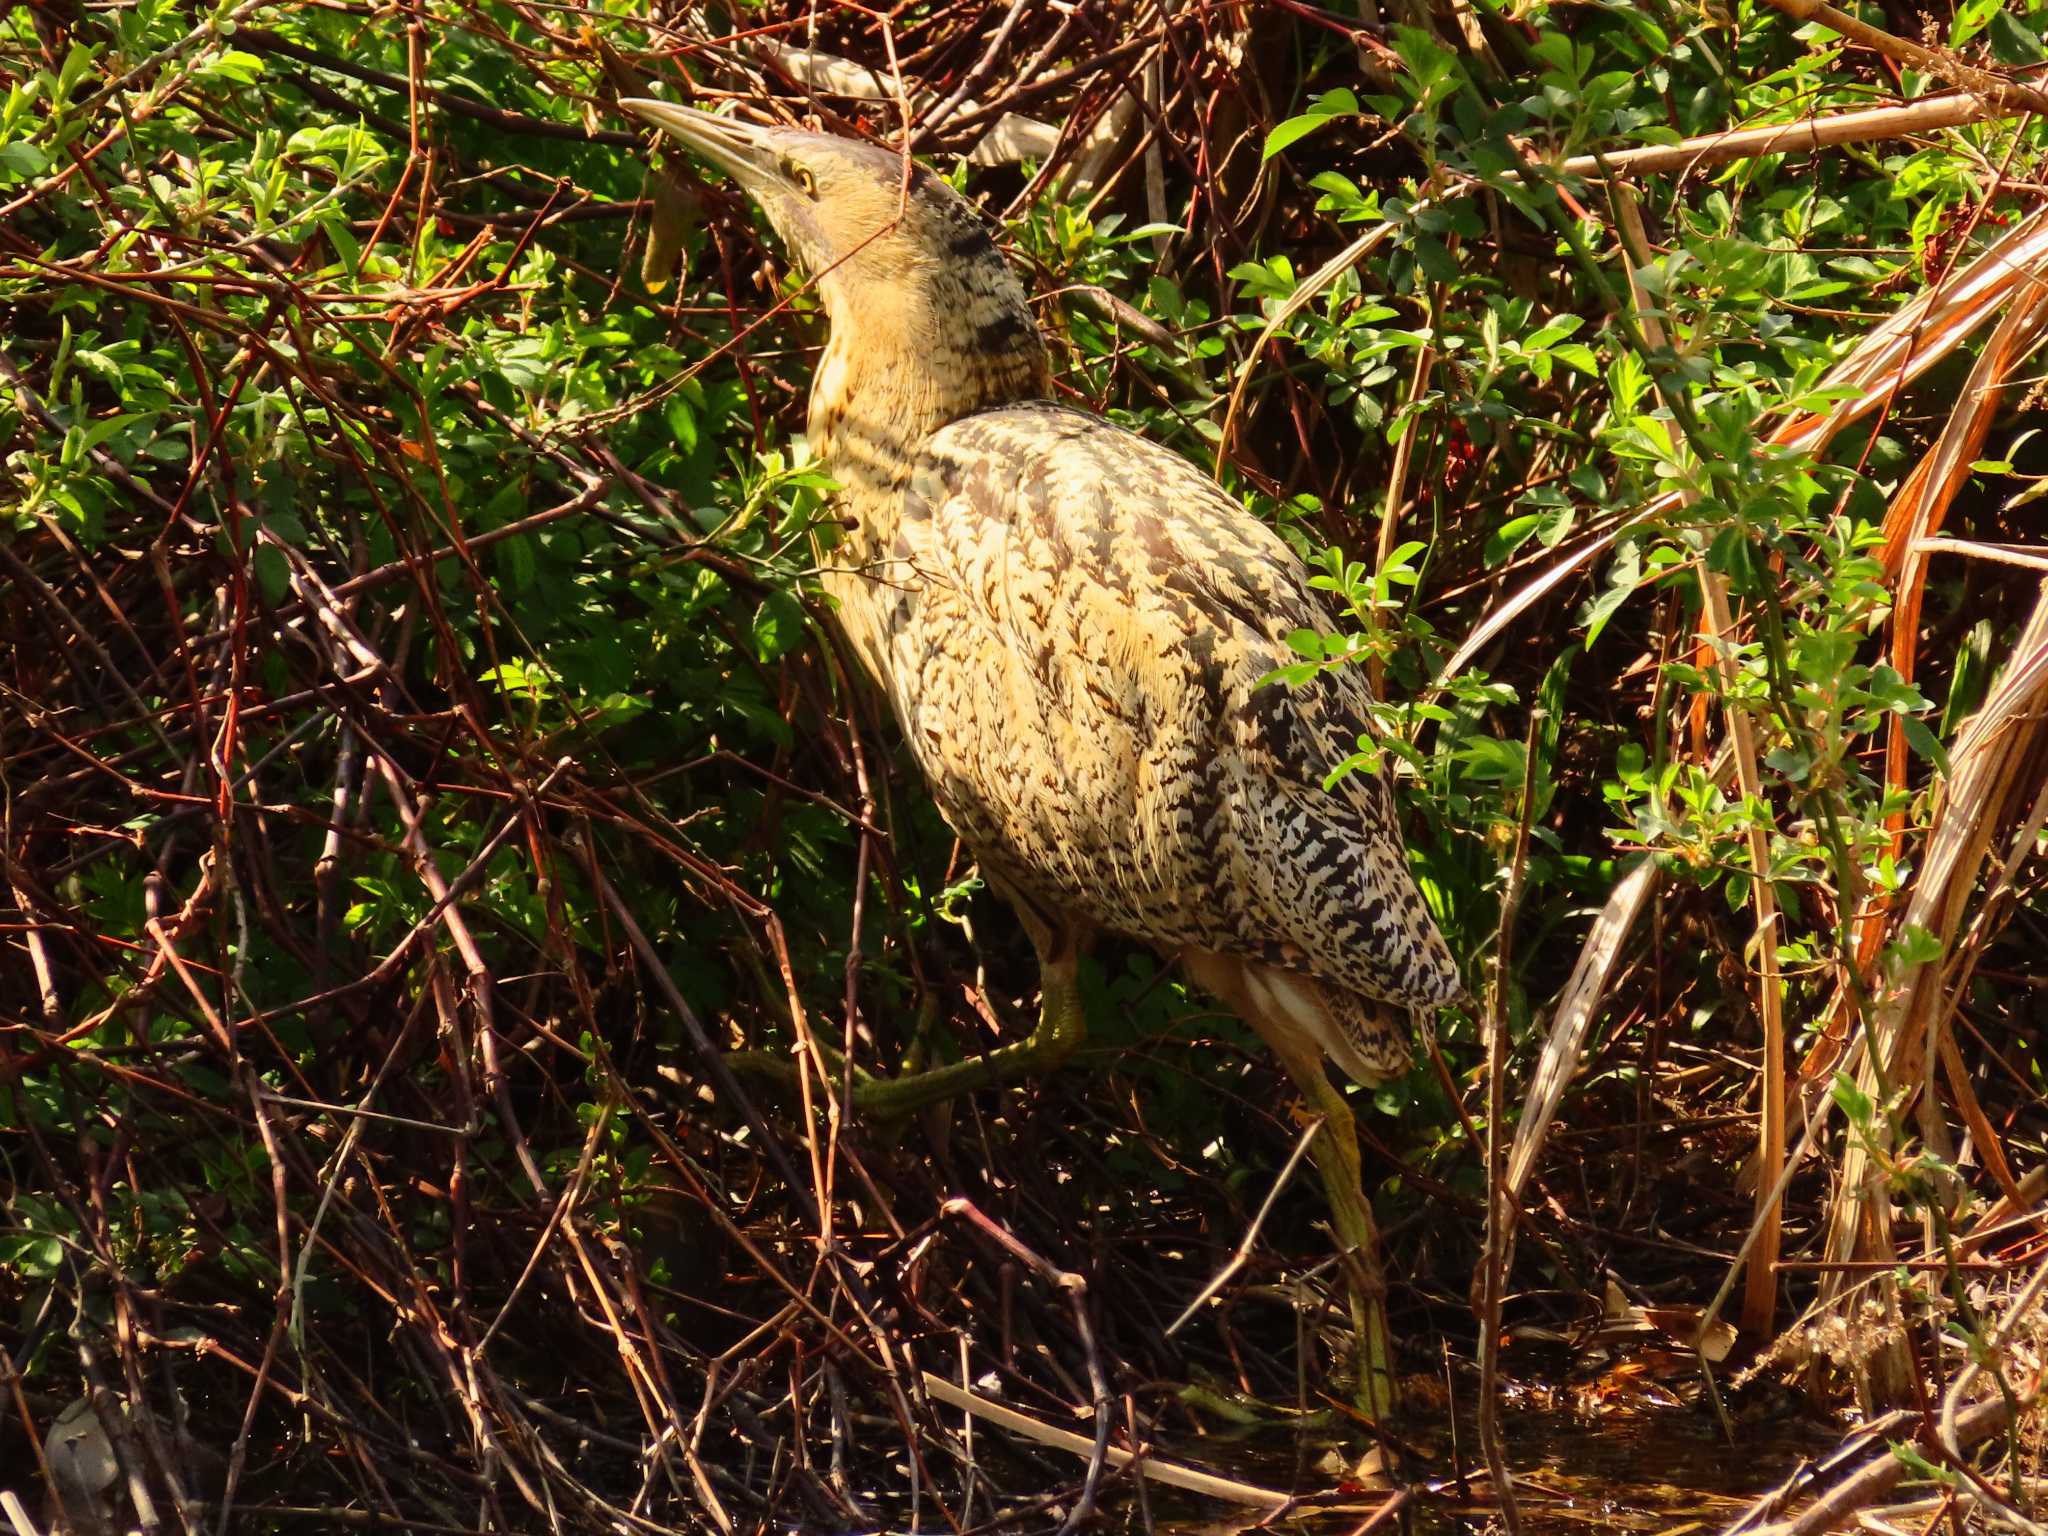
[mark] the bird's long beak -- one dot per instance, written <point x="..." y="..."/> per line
<point x="739" y="149"/>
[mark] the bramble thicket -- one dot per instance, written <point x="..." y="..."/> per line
<point x="433" y="785"/>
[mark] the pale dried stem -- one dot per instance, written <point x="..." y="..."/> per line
<point x="1404" y="451"/>
<point x="1760" y="1294"/>
<point x="39" y="958"/>
<point x="2009" y="94"/>
<point x="1577" y="1006"/>
<point x="1171" y="1474"/>
<point x="1835" y="1509"/>
<point x="2004" y="554"/>
<point x="1241" y="1255"/>
<point x="1873" y="124"/>
<point x="1985" y="786"/>
<point x="1910" y="1020"/>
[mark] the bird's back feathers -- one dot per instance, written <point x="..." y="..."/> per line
<point x="1075" y="626"/>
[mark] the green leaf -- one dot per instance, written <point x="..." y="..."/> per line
<point x="761" y="717"/>
<point x="1627" y="382"/>
<point x="242" y="68"/>
<point x="1510" y="536"/>
<point x="343" y="239"/>
<point x="1925" y="743"/>
<point x="23" y="159"/>
<point x="1337" y="103"/>
<point x="2012" y="41"/>
<point x="273" y="572"/>
<point x="1971" y="18"/>
<point x="1290" y="132"/>
<point x="105" y="428"/>
<point x="682" y="424"/>
<point x="1293" y="675"/>
<point x="1971" y="678"/>
<point x="76" y="63"/>
<point x="1608" y="603"/>
<point x="1576" y="354"/>
<point x="1145" y="232"/>
<point x="517" y="561"/>
<point x="1792" y="762"/>
<point x="1914" y="947"/>
<point x="1920" y="1466"/>
<point x="1851" y="1100"/>
<point x="1490" y="760"/>
<point x="778" y="626"/>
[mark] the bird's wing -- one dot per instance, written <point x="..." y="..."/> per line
<point x="1079" y="662"/>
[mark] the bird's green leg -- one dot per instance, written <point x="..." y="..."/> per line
<point x="1061" y="1029"/>
<point x="1062" y="1026"/>
<point x="1336" y="1157"/>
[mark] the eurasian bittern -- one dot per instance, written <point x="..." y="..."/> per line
<point x="1074" y="627"/>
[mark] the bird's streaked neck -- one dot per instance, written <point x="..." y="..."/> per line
<point x="943" y="340"/>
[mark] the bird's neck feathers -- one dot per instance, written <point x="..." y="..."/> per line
<point x="941" y="331"/>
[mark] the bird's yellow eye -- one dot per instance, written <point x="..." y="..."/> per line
<point x="801" y="175"/>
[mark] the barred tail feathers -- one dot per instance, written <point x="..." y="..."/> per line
<point x="1367" y="1038"/>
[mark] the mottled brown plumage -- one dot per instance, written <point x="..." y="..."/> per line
<point x="1073" y="624"/>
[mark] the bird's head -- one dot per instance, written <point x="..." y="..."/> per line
<point x="929" y="324"/>
<point x="841" y="206"/>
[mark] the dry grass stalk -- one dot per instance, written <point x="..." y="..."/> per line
<point x="1170" y="1473"/>
<point x="1490" y="1282"/>
<point x="1759" y="1299"/>
<point x="1870" y="1480"/>
<point x="1989" y="786"/>
<point x="1908" y="1029"/>
<point x="1920" y="507"/>
<point x="1578" y="1005"/>
<point x="2013" y="95"/>
<point x="1012" y="137"/>
<point x="1870" y="126"/>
